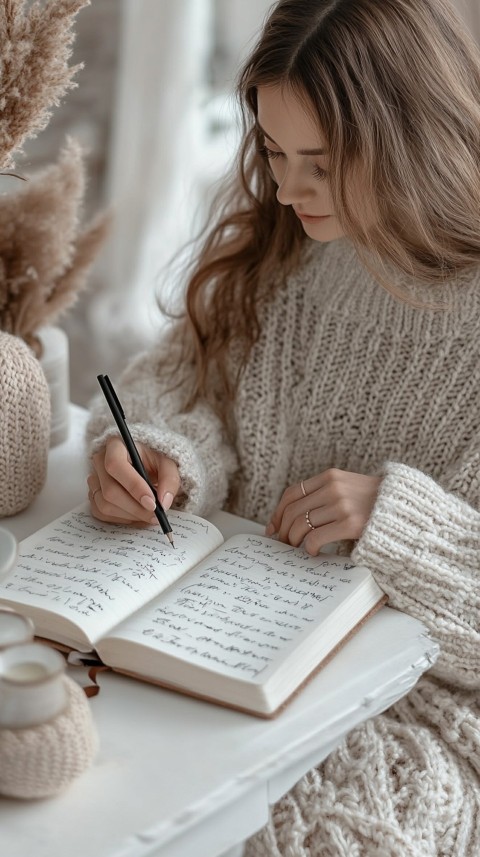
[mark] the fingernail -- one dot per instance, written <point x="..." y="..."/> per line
<point x="270" y="529"/>
<point x="167" y="500"/>
<point x="147" y="502"/>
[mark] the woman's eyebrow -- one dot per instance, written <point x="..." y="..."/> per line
<point x="299" y="151"/>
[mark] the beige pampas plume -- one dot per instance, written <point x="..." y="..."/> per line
<point x="45" y="254"/>
<point x="35" y="46"/>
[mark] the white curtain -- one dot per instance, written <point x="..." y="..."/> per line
<point x="163" y="155"/>
<point x="156" y="138"/>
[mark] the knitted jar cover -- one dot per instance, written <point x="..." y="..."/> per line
<point x="24" y="425"/>
<point x="39" y="761"/>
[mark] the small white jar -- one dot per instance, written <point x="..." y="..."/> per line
<point x="14" y="628"/>
<point x="55" y="364"/>
<point x="32" y="687"/>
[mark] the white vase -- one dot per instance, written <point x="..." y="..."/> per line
<point x="39" y="761"/>
<point x="55" y="364"/>
<point x="25" y="414"/>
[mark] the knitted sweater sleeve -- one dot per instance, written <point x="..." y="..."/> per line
<point x="422" y="544"/>
<point x="155" y="407"/>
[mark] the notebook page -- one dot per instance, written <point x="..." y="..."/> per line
<point x="245" y="607"/>
<point x="96" y="573"/>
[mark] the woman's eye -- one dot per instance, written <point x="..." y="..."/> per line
<point x="319" y="173"/>
<point x="269" y="153"/>
<point x="272" y="154"/>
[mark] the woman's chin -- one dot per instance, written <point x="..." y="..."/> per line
<point x="323" y="230"/>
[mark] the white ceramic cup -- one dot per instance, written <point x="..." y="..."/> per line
<point x="14" y="628"/>
<point x="32" y="686"/>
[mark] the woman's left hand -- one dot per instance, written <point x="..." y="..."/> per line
<point x="336" y="506"/>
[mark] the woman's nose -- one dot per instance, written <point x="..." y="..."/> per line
<point x="293" y="187"/>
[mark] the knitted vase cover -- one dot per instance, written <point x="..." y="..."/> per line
<point x="24" y="425"/>
<point x="39" y="761"/>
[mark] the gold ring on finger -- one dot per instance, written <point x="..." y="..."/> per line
<point x="307" y="518"/>
<point x="302" y="486"/>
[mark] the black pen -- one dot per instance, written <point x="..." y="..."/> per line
<point x="119" y="417"/>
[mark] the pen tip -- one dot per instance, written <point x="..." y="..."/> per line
<point x="170" y="539"/>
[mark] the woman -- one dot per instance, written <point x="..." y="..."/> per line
<point x="324" y="381"/>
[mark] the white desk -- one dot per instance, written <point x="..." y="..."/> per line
<point x="177" y="777"/>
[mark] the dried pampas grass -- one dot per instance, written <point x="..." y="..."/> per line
<point x="35" y="46"/>
<point x="45" y="255"/>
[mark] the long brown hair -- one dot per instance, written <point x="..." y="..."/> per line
<point x="395" y="88"/>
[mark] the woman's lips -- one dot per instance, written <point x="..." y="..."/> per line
<point x="312" y="218"/>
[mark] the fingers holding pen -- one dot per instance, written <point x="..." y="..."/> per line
<point x="103" y="510"/>
<point x="119" y="494"/>
<point x="110" y="487"/>
<point x="167" y="480"/>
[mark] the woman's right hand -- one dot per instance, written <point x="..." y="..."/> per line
<point x="118" y="494"/>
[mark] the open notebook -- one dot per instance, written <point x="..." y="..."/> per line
<point x="243" y="622"/>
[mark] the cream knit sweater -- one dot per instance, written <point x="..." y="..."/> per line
<point x="346" y="376"/>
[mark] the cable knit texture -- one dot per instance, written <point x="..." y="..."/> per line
<point x="42" y="760"/>
<point x="24" y="425"/>
<point x="344" y="375"/>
